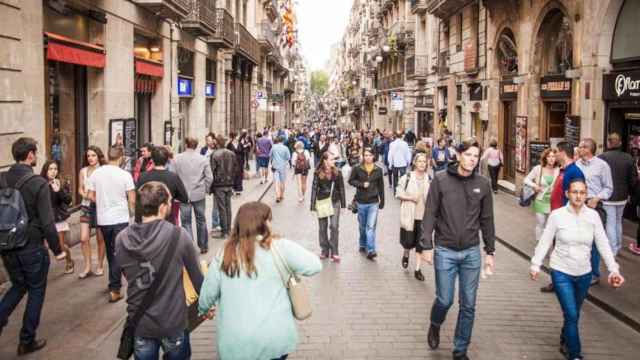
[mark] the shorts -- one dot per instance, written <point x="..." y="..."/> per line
<point x="411" y="239"/>
<point x="88" y="215"/>
<point x="262" y="162"/>
<point x="304" y="172"/>
<point x="280" y="175"/>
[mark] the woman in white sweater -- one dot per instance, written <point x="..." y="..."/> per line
<point x="541" y="179"/>
<point x="574" y="227"/>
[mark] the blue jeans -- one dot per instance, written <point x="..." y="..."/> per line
<point x="175" y="347"/>
<point x="201" y="221"/>
<point x="215" y="215"/>
<point x="571" y="292"/>
<point x="28" y="270"/>
<point x="595" y="261"/>
<point x="110" y="233"/>
<point x="367" y="220"/>
<point x="450" y="264"/>
<point x="614" y="226"/>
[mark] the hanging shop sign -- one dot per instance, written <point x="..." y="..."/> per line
<point x="508" y="90"/>
<point x="185" y="87"/>
<point x="555" y="86"/>
<point x="621" y="86"/>
<point x="397" y="102"/>
<point x="210" y="89"/>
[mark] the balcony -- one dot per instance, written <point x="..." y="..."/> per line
<point x="266" y="36"/>
<point x="445" y="8"/>
<point x="417" y="67"/>
<point x="201" y="21"/>
<point x="392" y="81"/>
<point x="248" y="46"/>
<point x="418" y="6"/>
<point x="172" y="9"/>
<point x="443" y="63"/>
<point x="224" y="34"/>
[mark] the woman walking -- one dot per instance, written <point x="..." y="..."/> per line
<point x="541" y="179"/>
<point x="254" y="317"/>
<point x="368" y="179"/>
<point x="60" y="201"/>
<point x="327" y="198"/>
<point x="301" y="160"/>
<point x="494" y="159"/>
<point x="94" y="158"/>
<point x="574" y="228"/>
<point x="412" y="190"/>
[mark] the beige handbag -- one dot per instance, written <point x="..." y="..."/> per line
<point x="298" y="293"/>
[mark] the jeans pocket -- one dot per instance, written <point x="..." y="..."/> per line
<point x="174" y="345"/>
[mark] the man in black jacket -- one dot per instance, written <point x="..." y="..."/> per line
<point x="224" y="165"/>
<point x="28" y="266"/>
<point x="624" y="175"/>
<point x="459" y="206"/>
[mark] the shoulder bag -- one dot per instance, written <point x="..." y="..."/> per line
<point x="527" y="193"/>
<point x="128" y="333"/>
<point x="298" y="293"/>
<point x="324" y="207"/>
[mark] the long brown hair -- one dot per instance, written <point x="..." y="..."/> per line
<point x="99" y="153"/>
<point x="250" y="227"/>
<point x="321" y="170"/>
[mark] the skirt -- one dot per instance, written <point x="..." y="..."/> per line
<point x="88" y="215"/>
<point x="411" y="239"/>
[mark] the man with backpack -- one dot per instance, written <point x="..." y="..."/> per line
<point x="27" y="218"/>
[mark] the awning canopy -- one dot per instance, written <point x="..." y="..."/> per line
<point x="63" y="49"/>
<point x="146" y="67"/>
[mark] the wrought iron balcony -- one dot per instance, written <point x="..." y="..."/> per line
<point x="392" y="81"/>
<point x="417" y="66"/>
<point x="201" y="21"/>
<point x="418" y="6"/>
<point x="266" y="36"/>
<point x="248" y="46"/>
<point x="224" y="34"/>
<point x="445" y="8"/>
<point x="173" y="9"/>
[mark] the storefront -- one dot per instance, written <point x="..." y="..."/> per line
<point x="555" y="94"/>
<point x="149" y="71"/>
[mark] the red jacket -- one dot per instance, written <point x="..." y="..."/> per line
<point x="137" y="170"/>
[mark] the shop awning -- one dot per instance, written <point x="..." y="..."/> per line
<point x="63" y="49"/>
<point x="146" y="67"/>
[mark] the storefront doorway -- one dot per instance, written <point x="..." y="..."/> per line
<point x="509" y="140"/>
<point x="555" y="113"/>
<point x="425" y="124"/>
<point x="142" y="108"/>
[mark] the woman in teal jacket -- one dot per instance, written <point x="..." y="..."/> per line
<point x="253" y="311"/>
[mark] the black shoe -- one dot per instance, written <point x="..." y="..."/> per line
<point x="35" y="345"/>
<point x="460" y="356"/>
<point x="433" y="338"/>
<point x="405" y="262"/>
<point x="372" y="255"/>
<point x="204" y="251"/>
<point x="547" y="289"/>
<point x="418" y="275"/>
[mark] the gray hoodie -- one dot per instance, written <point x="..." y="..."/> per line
<point x="140" y="249"/>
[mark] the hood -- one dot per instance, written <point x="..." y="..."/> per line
<point x="147" y="239"/>
<point x="452" y="169"/>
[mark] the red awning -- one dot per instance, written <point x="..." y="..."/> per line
<point x="60" y="48"/>
<point x="144" y="67"/>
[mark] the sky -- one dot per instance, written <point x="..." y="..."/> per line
<point x="321" y="23"/>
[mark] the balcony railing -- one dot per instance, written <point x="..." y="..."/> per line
<point x="418" y="6"/>
<point x="417" y="66"/>
<point x="224" y="34"/>
<point x="247" y="44"/>
<point x="201" y="20"/>
<point x="391" y="81"/>
<point x="266" y="36"/>
<point x="445" y="8"/>
<point x="173" y="9"/>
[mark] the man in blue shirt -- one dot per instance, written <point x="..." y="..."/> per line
<point x="280" y="157"/>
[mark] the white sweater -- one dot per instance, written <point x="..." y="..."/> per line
<point x="574" y="234"/>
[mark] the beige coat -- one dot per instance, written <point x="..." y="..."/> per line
<point x="408" y="208"/>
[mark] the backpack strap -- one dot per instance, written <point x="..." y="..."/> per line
<point x="23" y="180"/>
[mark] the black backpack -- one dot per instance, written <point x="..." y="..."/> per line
<point x="14" y="219"/>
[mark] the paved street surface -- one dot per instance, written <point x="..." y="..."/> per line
<point x="362" y="309"/>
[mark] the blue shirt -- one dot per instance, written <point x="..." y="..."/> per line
<point x="280" y="156"/>
<point x="597" y="174"/>
<point x="571" y="172"/>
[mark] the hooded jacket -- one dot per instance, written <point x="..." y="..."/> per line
<point x="457" y="208"/>
<point x="140" y="249"/>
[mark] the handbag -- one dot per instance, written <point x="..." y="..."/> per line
<point x="527" y="193"/>
<point x="324" y="207"/>
<point x="125" y="350"/>
<point x="297" y="291"/>
<point x="193" y="315"/>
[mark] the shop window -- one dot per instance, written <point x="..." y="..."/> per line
<point x="185" y="62"/>
<point x="625" y="38"/>
<point x="554" y="45"/>
<point x="507" y="54"/>
<point x="211" y="73"/>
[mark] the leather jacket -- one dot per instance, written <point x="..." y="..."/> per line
<point x="223" y="168"/>
<point x="321" y="189"/>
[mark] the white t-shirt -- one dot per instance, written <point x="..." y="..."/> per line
<point x="111" y="185"/>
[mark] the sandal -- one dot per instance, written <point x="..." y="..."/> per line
<point x="99" y="272"/>
<point x="70" y="267"/>
<point x="84" y="275"/>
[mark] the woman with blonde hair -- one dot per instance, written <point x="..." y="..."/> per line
<point x="541" y="179"/>
<point x="412" y="191"/>
<point x="245" y="282"/>
<point x="301" y="160"/>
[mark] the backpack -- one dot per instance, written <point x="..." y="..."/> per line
<point x="14" y="219"/>
<point x="301" y="162"/>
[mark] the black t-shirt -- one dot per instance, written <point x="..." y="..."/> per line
<point x="171" y="180"/>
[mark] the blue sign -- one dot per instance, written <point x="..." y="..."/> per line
<point x="185" y="87"/>
<point x="210" y="89"/>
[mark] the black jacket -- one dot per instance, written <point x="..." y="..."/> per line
<point x="457" y="209"/>
<point x="60" y="202"/>
<point x="375" y="192"/>
<point x="623" y="173"/>
<point x="224" y="165"/>
<point x="321" y="189"/>
<point x="37" y="200"/>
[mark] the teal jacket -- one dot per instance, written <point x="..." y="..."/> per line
<point x="253" y="316"/>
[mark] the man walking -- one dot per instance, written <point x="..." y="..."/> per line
<point x="459" y="206"/>
<point x="280" y="157"/>
<point x="223" y="167"/>
<point x="112" y="189"/>
<point x="399" y="158"/>
<point x="625" y="177"/>
<point x="28" y="265"/>
<point x="195" y="173"/>
<point x="263" y="149"/>
<point x="142" y="249"/>
<point x="597" y="174"/>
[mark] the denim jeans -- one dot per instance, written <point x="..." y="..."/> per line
<point x="571" y="292"/>
<point x="614" y="226"/>
<point x="28" y="270"/>
<point x="110" y="232"/>
<point x="398" y="172"/>
<point x="367" y="220"/>
<point x="176" y="347"/>
<point x="215" y="215"/>
<point x="450" y="264"/>
<point x="201" y="221"/>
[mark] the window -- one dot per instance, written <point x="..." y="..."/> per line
<point x="459" y="43"/>
<point x="211" y="70"/>
<point x="625" y="37"/>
